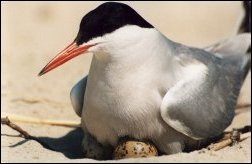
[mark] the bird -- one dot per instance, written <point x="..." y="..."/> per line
<point x="246" y="23"/>
<point x="143" y="85"/>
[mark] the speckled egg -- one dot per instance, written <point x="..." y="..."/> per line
<point x="134" y="149"/>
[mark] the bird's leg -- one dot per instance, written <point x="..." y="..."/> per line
<point x="95" y="150"/>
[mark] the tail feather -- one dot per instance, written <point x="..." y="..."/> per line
<point x="246" y="65"/>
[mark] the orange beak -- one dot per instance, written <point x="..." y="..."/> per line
<point x="68" y="53"/>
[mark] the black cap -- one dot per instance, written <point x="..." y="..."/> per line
<point x="106" y="18"/>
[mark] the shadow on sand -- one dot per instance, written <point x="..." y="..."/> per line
<point x="69" y="145"/>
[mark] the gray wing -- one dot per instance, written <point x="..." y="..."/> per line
<point x="77" y="95"/>
<point x="235" y="46"/>
<point x="202" y="104"/>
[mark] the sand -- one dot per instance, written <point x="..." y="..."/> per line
<point x="33" y="32"/>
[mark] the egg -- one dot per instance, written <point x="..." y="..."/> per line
<point x="134" y="149"/>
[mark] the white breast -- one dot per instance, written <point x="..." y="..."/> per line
<point x="124" y="92"/>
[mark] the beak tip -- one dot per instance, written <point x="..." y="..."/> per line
<point x="41" y="72"/>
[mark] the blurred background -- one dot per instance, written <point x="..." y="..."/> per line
<point x="32" y="33"/>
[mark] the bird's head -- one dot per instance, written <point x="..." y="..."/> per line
<point x="98" y="28"/>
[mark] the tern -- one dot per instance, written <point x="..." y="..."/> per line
<point x="143" y="85"/>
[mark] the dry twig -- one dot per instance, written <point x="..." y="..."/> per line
<point x="24" y="134"/>
<point x="25" y="119"/>
<point x="227" y="142"/>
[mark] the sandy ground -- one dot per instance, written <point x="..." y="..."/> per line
<point x="33" y="32"/>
